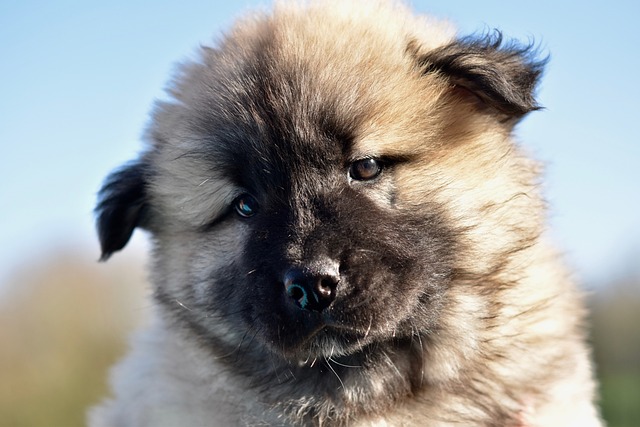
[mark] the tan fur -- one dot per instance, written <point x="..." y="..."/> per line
<point x="511" y="323"/>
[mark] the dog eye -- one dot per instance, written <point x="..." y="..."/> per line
<point x="246" y="205"/>
<point x="365" y="169"/>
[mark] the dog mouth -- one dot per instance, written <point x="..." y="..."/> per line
<point x="329" y="340"/>
<point x="329" y="343"/>
<point x="299" y="327"/>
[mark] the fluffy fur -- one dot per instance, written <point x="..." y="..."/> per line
<point x="364" y="154"/>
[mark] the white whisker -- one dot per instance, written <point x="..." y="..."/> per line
<point x="182" y="305"/>
<point x="334" y="371"/>
<point x="366" y="334"/>
<point x="343" y="364"/>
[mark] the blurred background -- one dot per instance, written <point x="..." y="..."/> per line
<point x="77" y="79"/>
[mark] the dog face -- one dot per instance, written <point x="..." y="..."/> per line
<point x="318" y="187"/>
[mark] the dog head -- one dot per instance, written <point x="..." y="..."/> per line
<point x="315" y="183"/>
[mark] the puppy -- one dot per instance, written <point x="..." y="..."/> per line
<point x="346" y="234"/>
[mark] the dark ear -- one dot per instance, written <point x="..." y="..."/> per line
<point x="502" y="75"/>
<point x="122" y="206"/>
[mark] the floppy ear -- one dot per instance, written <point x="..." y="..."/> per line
<point x="503" y="76"/>
<point x="122" y="206"/>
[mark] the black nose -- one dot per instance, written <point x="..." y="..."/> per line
<point x="311" y="290"/>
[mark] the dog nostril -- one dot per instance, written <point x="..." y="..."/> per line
<point x="297" y="292"/>
<point x="311" y="291"/>
<point x="326" y="287"/>
<point x="300" y="294"/>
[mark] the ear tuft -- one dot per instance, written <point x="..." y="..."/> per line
<point x="122" y="206"/>
<point x="502" y="74"/>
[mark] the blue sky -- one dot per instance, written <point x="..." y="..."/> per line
<point x="77" y="79"/>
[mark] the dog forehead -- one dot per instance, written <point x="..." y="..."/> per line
<point x="287" y="96"/>
<point x="312" y="70"/>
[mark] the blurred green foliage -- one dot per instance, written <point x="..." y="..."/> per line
<point x="615" y="332"/>
<point x="64" y="323"/>
<point x="621" y="399"/>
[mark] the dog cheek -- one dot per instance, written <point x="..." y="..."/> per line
<point x="378" y="296"/>
<point x="392" y="278"/>
<point x="194" y="270"/>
